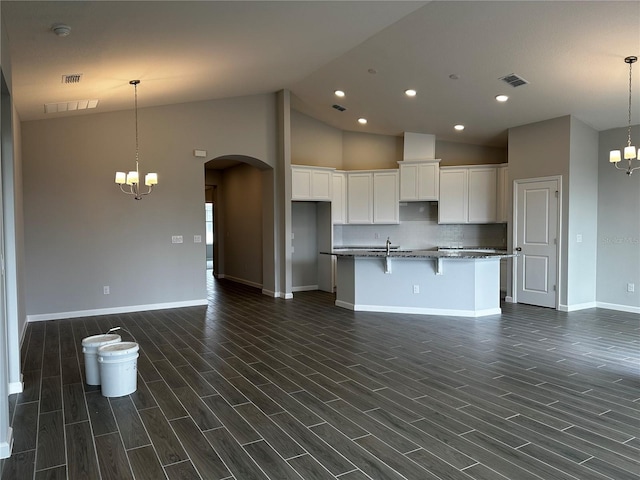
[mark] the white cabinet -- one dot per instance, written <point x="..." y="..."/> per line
<point x="483" y="190"/>
<point x="339" y="198"/>
<point x="360" y="197"/>
<point x="454" y="196"/>
<point x="503" y="194"/>
<point x="386" y="203"/>
<point x="311" y="183"/>
<point x="419" y="180"/>
<point x="373" y="197"/>
<point x="468" y="194"/>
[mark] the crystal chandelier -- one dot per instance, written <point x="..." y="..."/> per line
<point x="130" y="182"/>
<point x="630" y="152"/>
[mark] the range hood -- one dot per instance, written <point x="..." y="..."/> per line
<point x="419" y="146"/>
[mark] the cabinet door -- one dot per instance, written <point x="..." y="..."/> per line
<point x="339" y="199"/>
<point x="321" y="182"/>
<point x="360" y="198"/>
<point x="300" y="184"/>
<point x="428" y="181"/>
<point x="386" y="206"/>
<point x="483" y="189"/>
<point x="503" y="194"/>
<point x="409" y="183"/>
<point x="453" y="201"/>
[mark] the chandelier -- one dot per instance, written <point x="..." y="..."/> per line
<point x="130" y="182"/>
<point x="630" y="152"/>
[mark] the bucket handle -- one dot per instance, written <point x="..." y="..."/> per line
<point x="115" y="329"/>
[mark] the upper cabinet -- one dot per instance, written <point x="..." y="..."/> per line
<point x="373" y="197"/>
<point x="339" y="198"/>
<point x="469" y="194"/>
<point x="311" y="183"/>
<point x="503" y="194"/>
<point x="419" y="180"/>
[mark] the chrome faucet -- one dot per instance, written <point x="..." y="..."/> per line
<point x="388" y="246"/>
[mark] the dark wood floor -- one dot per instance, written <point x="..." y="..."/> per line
<point x="252" y="387"/>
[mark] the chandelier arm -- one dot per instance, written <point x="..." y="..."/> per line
<point x="130" y="192"/>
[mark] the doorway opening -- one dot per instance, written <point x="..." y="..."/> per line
<point x="209" y="226"/>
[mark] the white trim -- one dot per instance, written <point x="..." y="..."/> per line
<point x="304" y="288"/>
<point x="509" y="299"/>
<point x="577" y="306"/>
<point x="6" y="447"/>
<point x="618" y="307"/>
<point x="270" y="293"/>
<point x="243" y="281"/>
<point x="286" y="296"/>
<point x="419" y="310"/>
<point x="109" y="311"/>
<point x="16" y="387"/>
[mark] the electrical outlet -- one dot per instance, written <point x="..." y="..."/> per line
<point x="197" y="239"/>
<point x="416" y="289"/>
<point x="631" y="287"/>
<point x="106" y="290"/>
<point x="376" y="235"/>
<point x="579" y="238"/>
<point x="176" y="239"/>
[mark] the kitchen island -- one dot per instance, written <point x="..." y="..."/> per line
<point x="451" y="282"/>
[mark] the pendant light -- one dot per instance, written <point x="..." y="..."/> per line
<point x="630" y="151"/>
<point x="132" y="179"/>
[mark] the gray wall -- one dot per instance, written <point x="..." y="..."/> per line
<point x="82" y="233"/>
<point x="542" y="149"/>
<point x="314" y="142"/>
<point x="242" y="230"/>
<point x="618" y="225"/>
<point x="582" y="219"/>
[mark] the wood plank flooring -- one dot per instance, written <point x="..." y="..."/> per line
<point x="252" y="387"/>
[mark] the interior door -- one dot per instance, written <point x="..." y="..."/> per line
<point x="536" y="231"/>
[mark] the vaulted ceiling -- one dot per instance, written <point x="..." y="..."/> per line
<point x="570" y="53"/>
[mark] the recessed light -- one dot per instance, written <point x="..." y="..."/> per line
<point x="459" y="127"/>
<point x="410" y="92"/>
<point x="502" y="98"/>
<point x="362" y="121"/>
<point x="339" y="93"/>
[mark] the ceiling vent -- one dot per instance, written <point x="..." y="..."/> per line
<point x="73" y="78"/>
<point x="70" y="106"/>
<point x="340" y="108"/>
<point x="514" y="80"/>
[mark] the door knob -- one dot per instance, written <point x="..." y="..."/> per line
<point x="518" y="249"/>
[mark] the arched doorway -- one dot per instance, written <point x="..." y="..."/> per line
<point x="240" y="189"/>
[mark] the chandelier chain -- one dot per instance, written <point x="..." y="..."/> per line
<point x="629" y="129"/>
<point x="135" y="85"/>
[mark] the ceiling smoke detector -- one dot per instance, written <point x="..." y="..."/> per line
<point x="60" y="29"/>
<point x="514" y="80"/>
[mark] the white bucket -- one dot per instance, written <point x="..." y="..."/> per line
<point x="90" y="347"/>
<point x="118" y="368"/>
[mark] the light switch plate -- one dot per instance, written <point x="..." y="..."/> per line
<point x="197" y="239"/>
<point x="176" y="239"/>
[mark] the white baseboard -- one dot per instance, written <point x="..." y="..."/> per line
<point x="619" y="308"/>
<point x="270" y="293"/>
<point x="576" y="306"/>
<point x="419" y="310"/>
<point x="286" y="296"/>
<point x="508" y="299"/>
<point x="304" y="288"/>
<point x="16" y="387"/>
<point x="5" y="447"/>
<point x="114" y="310"/>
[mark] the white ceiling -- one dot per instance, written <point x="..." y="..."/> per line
<point x="182" y="51"/>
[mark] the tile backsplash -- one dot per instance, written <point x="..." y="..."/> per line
<point x="419" y="228"/>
